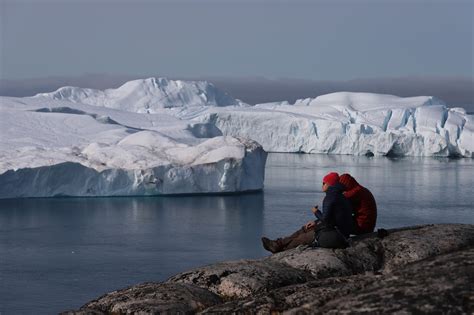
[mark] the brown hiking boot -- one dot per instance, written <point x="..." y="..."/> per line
<point x="271" y="246"/>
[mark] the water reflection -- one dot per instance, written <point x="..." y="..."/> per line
<point x="62" y="252"/>
<point x="153" y="220"/>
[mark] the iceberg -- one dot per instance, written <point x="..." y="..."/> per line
<point x="158" y="136"/>
<point x="350" y="123"/>
<point x="55" y="147"/>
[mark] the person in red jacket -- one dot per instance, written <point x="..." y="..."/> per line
<point x="363" y="204"/>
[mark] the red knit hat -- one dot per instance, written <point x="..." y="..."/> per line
<point x="331" y="179"/>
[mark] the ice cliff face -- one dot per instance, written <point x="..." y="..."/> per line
<point x="351" y="123"/>
<point x="59" y="148"/>
<point x="148" y="95"/>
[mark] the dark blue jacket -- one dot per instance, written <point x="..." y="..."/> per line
<point x="337" y="210"/>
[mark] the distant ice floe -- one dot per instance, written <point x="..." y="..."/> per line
<point x="159" y="136"/>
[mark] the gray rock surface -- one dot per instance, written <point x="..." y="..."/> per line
<point x="152" y="298"/>
<point x="370" y="253"/>
<point x="423" y="269"/>
<point x="239" y="279"/>
<point x="407" y="245"/>
<point x="295" y="296"/>
<point x="443" y="284"/>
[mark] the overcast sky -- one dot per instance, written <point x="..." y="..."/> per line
<point x="319" y="40"/>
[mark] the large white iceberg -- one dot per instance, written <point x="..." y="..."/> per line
<point x="54" y="147"/>
<point x="350" y="123"/>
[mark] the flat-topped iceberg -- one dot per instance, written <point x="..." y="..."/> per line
<point x="350" y="123"/>
<point x="60" y="148"/>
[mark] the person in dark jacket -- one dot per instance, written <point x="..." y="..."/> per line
<point x="363" y="204"/>
<point x="332" y="227"/>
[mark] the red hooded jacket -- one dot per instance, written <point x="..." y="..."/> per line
<point x="363" y="204"/>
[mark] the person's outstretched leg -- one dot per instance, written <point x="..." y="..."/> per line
<point x="301" y="237"/>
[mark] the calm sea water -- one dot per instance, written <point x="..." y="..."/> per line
<point x="57" y="254"/>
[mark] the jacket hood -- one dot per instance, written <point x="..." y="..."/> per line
<point x="338" y="188"/>
<point x="348" y="181"/>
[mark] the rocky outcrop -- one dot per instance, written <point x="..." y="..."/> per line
<point x="442" y="284"/>
<point x="419" y="269"/>
<point x="152" y="298"/>
<point x="371" y="253"/>
<point x="239" y="279"/>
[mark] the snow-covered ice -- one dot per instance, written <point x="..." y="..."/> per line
<point x="350" y="123"/>
<point x="147" y="95"/>
<point x="159" y="136"/>
<point x="51" y="147"/>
